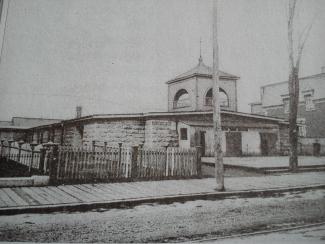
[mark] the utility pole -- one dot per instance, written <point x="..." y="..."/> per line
<point x="218" y="158"/>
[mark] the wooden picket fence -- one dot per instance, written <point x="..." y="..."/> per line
<point x="123" y="164"/>
<point x="81" y="164"/>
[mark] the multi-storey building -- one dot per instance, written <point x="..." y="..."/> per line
<point x="311" y="109"/>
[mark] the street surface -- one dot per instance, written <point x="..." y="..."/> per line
<point x="187" y="221"/>
<point x="313" y="235"/>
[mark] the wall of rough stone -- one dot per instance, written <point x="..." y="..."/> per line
<point x="72" y="136"/>
<point x="160" y="133"/>
<point x="128" y="132"/>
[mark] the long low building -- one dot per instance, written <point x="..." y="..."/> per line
<point x="243" y="134"/>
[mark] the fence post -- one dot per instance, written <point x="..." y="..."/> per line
<point x="20" y="143"/>
<point x="140" y="164"/>
<point x="42" y="159"/>
<point x="198" y="161"/>
<point x="105" y="146"/>
<point x="53" y="161"/>
<point x="9" y="149"/>
<point x="166" y="161"/>
<point x="32" y="146"/>
<point x="2" y="145"/>
<point x="134" y="170"/>
<point x="93" y="146"/>
<point x="119" y="153"/>
<point x="173" y="161"/>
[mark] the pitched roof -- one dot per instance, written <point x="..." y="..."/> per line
<point x="201" y="69"/>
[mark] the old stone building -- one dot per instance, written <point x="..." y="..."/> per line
<point x="187" y="123"/>
<point x="311" y="109"/>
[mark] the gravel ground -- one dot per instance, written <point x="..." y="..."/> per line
<point x="315" y="235"/>
<point x="174" y="222"/>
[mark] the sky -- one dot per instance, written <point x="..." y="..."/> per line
<point x="114" y="56"/>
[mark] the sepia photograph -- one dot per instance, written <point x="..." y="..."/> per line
<point x="162" y="121"/>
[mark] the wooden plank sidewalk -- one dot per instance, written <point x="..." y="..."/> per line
<point x="19" y="197"/>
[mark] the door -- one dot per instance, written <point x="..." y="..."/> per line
<point x="268" y="143"/>
<point x="316" y="149"/>
<point x="202" y="142"/>
<point x="233" y="144"/>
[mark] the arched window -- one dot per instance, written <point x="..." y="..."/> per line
<point x="223" y="98"/>
<point x="181" y="99"/>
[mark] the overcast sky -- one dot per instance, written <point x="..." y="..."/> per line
<point x="115" y="56"/>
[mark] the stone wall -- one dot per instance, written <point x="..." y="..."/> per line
<point x="160" y="133"/>
<point x="72" y="136"/>
<point x="130" y="132"/>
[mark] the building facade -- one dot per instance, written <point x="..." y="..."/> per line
<point x="187" y="123"/>
<point x="311" y="109"/>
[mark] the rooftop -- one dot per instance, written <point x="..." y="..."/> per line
<point x="202" y="69"/>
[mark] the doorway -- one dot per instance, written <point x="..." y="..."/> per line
<point x="233" y="144"/>
<point x="202" y="142"/>
<point x="316" y="149"/>
<point x="268" y="143"/>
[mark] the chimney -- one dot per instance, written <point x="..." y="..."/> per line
<point x="323" y="69"/>
<point x="78" y="111"/>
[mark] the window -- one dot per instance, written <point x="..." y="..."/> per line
<point x="286" y="105"/>
<point x="309" y="102"/>
<point x="301" y="127"/>
<point x="223" y="98"/>
<point x="181" y="99"/>
<point x="183" y="132"/>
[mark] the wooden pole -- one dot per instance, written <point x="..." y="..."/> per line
<point x="219" y="171"/>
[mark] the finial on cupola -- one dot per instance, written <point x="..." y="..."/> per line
<point x="200" y="58"/>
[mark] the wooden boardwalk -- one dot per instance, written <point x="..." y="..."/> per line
<point x="19" y="197"/>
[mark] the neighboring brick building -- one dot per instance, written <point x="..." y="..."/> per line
<point x="311" y="109"/>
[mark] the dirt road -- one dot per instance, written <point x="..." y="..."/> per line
<point x="174" y="222"/>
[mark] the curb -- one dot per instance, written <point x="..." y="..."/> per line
<point x="34" y="180"/>
<point x="126" y="203"/>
